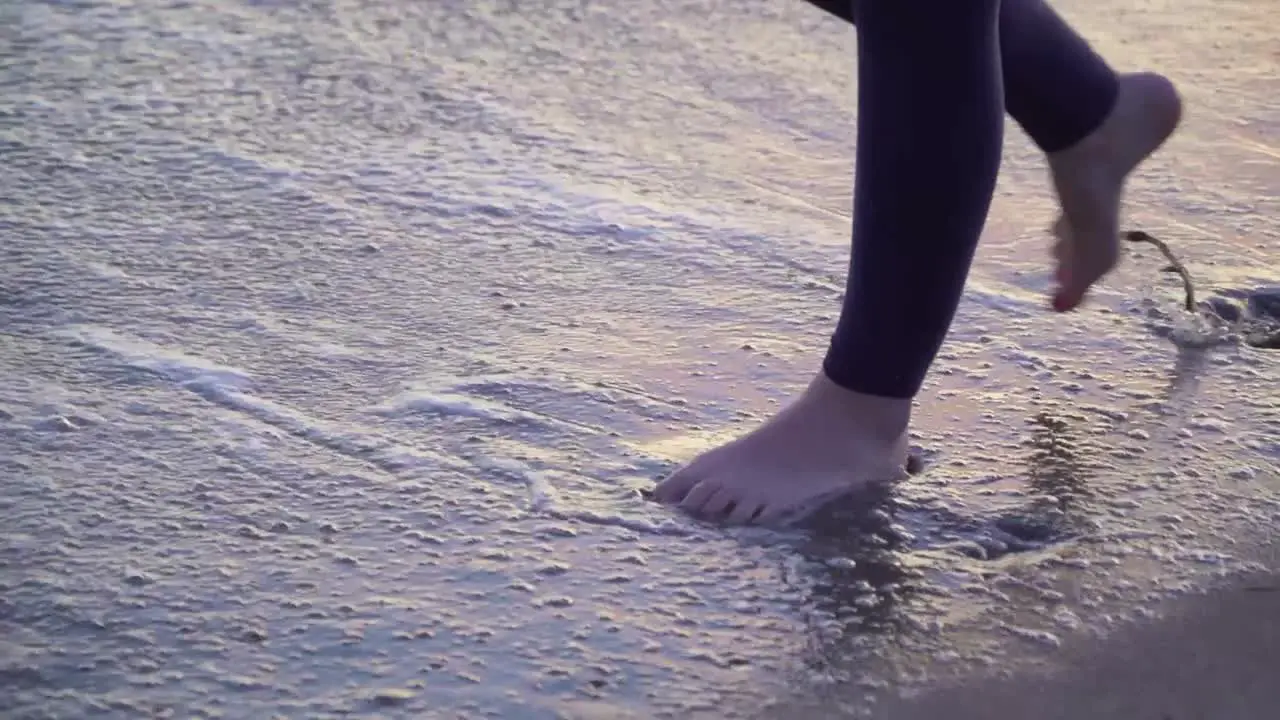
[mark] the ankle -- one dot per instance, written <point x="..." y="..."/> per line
<point x="882" y="418"/>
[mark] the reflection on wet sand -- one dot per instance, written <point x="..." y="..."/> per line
<point x="860" y="582"/>
<point x="861" y="579"/>
<point x="1188" y="368"/>
<point x="1057" y="472"/>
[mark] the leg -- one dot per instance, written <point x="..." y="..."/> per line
<point x="926" y="171"/>
<point x="1094" y="126"/>
<point x="1055" y="86"/>
<point x="929" y="138"/>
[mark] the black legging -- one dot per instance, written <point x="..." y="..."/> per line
<point x="934" y="77"/>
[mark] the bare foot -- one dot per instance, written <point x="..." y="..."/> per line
<point x="1090" y="175"/>
<point x="826" y="442"/>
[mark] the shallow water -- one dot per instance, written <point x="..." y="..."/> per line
<point x="340" y="337"/>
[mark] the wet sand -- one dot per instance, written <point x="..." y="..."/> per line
<point x="1212" y="656"/>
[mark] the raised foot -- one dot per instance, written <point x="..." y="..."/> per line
<point x="1089" y="178"/>
<point x="829" y="441"/>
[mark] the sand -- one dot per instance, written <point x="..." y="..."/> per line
<point x="1209" y="656"/>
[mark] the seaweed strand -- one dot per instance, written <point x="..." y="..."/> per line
<point x="1175" y="264"/>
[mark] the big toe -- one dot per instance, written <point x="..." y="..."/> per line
<point x="749" y="510"/>
<point x="1081" y="269"/>
<point x="1083" y="258"/>
<point x="696" y="500"/>
<point x="676" y="486"/>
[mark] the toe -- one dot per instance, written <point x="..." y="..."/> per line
<point x="718" y="504"/>
<point x="769" y="513"/>
<point x="1063" y="256"/>
<point x="1072" y="282"/>
<point x="745" y="510"/>
<point x="697" y="498"/>
<point x="678" y="484"/>
<point x="1068" y="296"/>
<point x="1080" y="273"/>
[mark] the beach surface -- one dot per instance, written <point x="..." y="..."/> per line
<point x="1211" y="655"/>
<point x="339" y="338"/>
